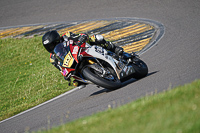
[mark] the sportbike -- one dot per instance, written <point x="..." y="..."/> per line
<point x="93" y="64"/>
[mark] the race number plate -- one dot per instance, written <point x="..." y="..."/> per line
<point x="68" y="61"/>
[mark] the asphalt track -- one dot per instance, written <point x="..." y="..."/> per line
<point x="175" y="60"/>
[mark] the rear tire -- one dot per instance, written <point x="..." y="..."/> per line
<point x="89" y="74"/>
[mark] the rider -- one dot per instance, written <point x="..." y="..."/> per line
<point x="51" y="38"/>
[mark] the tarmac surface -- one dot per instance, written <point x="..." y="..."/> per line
<point x="173" y="61"/>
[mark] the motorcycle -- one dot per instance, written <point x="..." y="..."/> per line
<point x="95" y="65"/>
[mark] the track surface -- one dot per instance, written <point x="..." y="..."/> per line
<point x="175" y="59"/>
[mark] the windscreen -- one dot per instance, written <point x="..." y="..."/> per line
<point x="61" y="51"/>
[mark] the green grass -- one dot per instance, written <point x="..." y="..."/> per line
<point x="174" y="111"/>
<point x="27" y="78"/>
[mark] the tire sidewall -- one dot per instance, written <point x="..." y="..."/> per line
<point x="99" y="80"/>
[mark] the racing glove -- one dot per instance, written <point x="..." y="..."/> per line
<point x="54" y="61"/>
<point x="83" y="38"/>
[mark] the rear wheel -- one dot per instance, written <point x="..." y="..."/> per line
<point x="106" y="79"/>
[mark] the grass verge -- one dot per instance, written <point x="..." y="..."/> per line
<point x="174" y="111"/>
<point x="26" y="76"/>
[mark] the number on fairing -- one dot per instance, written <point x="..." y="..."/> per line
<point x="99" y="50"/>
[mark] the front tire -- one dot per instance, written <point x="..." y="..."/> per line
<point x="141" y="69"/>
<point x="89" y="73"/>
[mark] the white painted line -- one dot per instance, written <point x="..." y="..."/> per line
<point x="55" y="98"/>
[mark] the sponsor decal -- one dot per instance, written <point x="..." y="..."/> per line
<point x="75" y="50"/>
<point x="65" y="72"/>
<point x="46" y="41"/>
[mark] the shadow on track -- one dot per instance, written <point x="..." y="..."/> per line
<point x="123" y="85"/>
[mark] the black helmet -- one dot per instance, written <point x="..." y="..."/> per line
<point x="50" y="40"/>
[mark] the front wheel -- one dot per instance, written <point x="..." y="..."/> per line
<point x="109" y="81"/>
<point x="141" y="69"/>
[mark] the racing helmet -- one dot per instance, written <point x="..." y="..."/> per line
<point x="50" y="39"/>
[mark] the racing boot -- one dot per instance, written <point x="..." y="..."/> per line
<point x="115" y="49"/>
<point x="78" y="83"/>
<point x="119" y="50"/>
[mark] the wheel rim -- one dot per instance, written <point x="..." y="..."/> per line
<point x="108" y="75"/>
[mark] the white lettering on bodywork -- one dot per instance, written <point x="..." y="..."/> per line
<point x="46" y="41"/>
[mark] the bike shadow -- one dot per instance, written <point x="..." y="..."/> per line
<point x="123" y="84"/>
